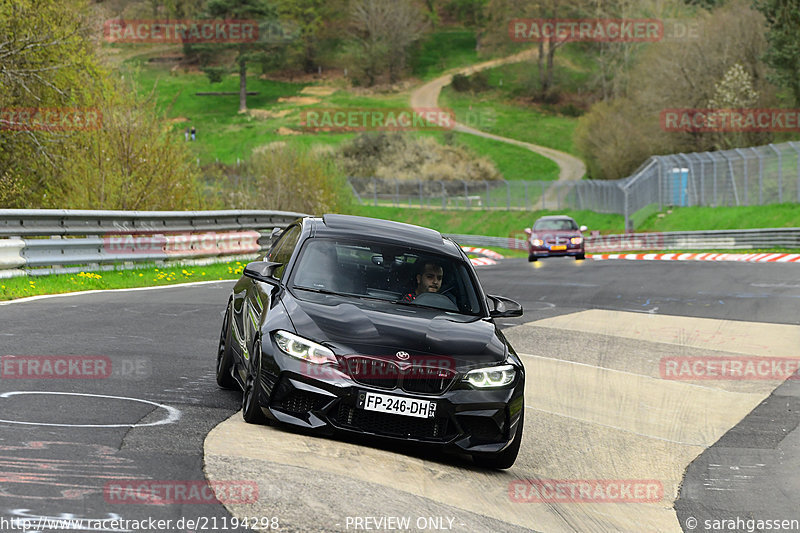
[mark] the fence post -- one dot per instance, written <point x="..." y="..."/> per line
<point x="374" y="193"/>
<point x="526" y="186"/>
<point x="796" y="149"/>
<point x="702" y="181"/>
<point x="625" y="209"/>
<point x="733" y="180"/>
<point x="508" y="195"/>
<point x="760" y="176"/>
<point x="421" y="198"/>
<point x="444" y="195"/>
<point x="780" y="173"/>
<point x="746" y="180"/>
<point x="488" y="195"/>
<point x="543" y="200"/>
<point x="467" y="203"/>
<point x="396" y="193"/>
<point x="714" y="170"/>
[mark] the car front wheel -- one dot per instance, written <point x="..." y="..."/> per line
<point x="224" y="358"/>
<point x="251" y="407"/>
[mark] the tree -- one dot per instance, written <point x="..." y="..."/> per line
<point x="783" y="54"/>
<point x="501" y="12"/>
<point x="681" y="75"/>
<point x="45" y="61"/>
<point x="134" y="162"/>
<point x="382" y="32"/>
<point x="245" y="52"/>
<point x="313" y="20"/>
<point x="126" y="159"/>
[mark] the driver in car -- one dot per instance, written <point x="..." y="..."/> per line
<point x="428" y="280"/>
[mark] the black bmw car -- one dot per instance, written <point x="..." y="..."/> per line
<point x="366" y="326"/>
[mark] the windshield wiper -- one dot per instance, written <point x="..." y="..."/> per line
<point x="333" y="293"/>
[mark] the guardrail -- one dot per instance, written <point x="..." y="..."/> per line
<point x="743" y="239"/>
<point x="45" y="241"/>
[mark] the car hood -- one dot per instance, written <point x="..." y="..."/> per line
<point x="353" y="325"/>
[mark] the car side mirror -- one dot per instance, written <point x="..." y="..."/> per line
<point x="501" y="307"/>
<point x="583" y="228"/>
<point x="528" y="231"/>
<point x="262" y="271"/>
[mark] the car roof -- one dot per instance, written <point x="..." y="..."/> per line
<point x="384" y="230"/>
<point x="555" y="217"/>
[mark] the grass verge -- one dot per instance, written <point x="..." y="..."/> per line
<point x="714" y="218"/>
<point x="23" y="286"/>
<point x="493" y="223"/>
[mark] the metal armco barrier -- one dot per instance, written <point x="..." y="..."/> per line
<point x="37" y="239"/>
<point x="743" y="239"/>
<point x="59" y="238"/>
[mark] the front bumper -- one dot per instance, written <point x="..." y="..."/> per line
<point x="466" y="420"/>
<point x="546" y="251"/>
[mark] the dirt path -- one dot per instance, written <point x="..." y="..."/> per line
<point x="427" y="96"/>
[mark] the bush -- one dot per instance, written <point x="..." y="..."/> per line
<point x="135" y="161"/>
<point x="399" y="156"/>
<point x="476" y="83"/>
<point x="479" y="82"/>
<point x="285" y="178"/>
<point x="460" y="83"/>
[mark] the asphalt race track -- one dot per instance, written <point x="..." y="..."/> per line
<point x="599" y="411"/>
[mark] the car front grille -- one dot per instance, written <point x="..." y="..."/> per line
<point x="373" y="372"/>
<point x="427" y="380"/>
<point x="392" y="425"/>
<point x="385" y="374"/>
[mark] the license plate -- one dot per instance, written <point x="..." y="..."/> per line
<point x="559" y="247"/>
<point x="396" y="405"/>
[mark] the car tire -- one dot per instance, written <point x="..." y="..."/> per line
<point x="224" y="356"/>
<point x="506" y="458"/>
<point x="580" y="257"/>
<point x="531" y="258"/>
<point x="251" y="407"/>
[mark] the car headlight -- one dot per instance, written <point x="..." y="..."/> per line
<point x="491" y="377"/>
<point x="537" y="242"/>
<point x="576" y="240"/>
<point x="303" y="349"/>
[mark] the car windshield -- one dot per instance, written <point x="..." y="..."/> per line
<point x="386" y="272"/>
<point x="555" y="224"/>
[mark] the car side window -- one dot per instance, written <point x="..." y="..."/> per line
<point x="283" y="250"/>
